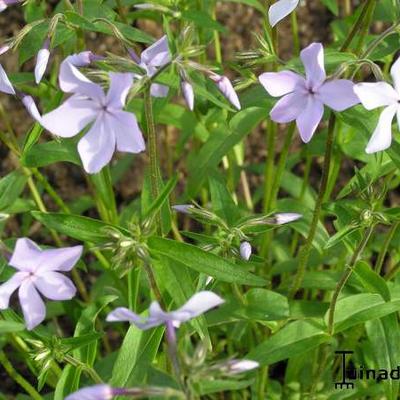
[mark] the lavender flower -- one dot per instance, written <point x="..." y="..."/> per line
<point x="188" y="94"/>
<point x="280" y="10"/>
<point x="285" y="218"/>
<point x="304" y="99"/>
<point x="151" y="59"/>
<point x="97" y="392"/>
<point x="42" y="61"/>
<point x="39" y="271"/>
<point x="245" y="250"/>
<point x="381" y="94"/>
<point x="195" y="306"/>
<point x="5" y="3"/>
<point x="112" y="129"/>
<point x="226" y="88"/>
<point x="5" y="84"/>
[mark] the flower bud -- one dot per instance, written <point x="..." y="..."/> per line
<point x="225" y="87"/>
<point x="188" y="94"/>
<point x="245" y="250"/>
<point x="285" y="218"/>
<point x="42" y="61"/>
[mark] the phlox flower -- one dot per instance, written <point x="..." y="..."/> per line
<point x="112" y="128"/>
<point x="280" y="10"/>
<point x="151" y="59"/>
<point x="195" y="306"/>
<point x="42" y="60"/>
<point x="225" y="86"/>
<point x="38" y="271"/>
<point x="381" y="94"/>
<point x="5" y="3"/>
<point x="304" y="98"/>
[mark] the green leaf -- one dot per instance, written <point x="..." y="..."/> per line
<point x="77" y="227"/>
<point x="202" y="261"/>
<point x="373" y="282"/>
<point x="42" y="154"/>
<point x="219" y="386"/>
<point x="266" y="305"/>
<point x="11" y="187"/>
<point x="202" y="20"/>
<point x="295" y="338"/>
<point x="10" y="327"/>
<point x="357" y="309"/>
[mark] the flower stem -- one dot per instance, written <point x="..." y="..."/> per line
<point x="385" y="247"/>
<point x="19" y="379"/>
<point x="306" y="249"/>
<point x="152" y="140"/>
<point x="153" y="283"/>
<point x="346" y="275"/>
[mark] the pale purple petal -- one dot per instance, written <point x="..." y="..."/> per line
<point x="313" y="61"/>
<point x="123" y="314"/>
<point x="5" y="84"/>
<point x="54" y="286"/>
<point x="71" y="117"/>
<point x="378" y="94"/>
<point x="285" y="218"/>
<point x="126" y="131"/>
<point x="381" y="139"/>
<point x="288" y="108"/>
<point x="308" y="121"/>
<point x="41" y="62"/>
<point x="280" y="83"/>
<point x="280" y="10"/>
<point x="97" y="147"/>
<point x="63" y="259"/>
<point x="338" y="94"/>
<point x="3" y="5"/>
<point x="4" y="49"/>
<point x="226" y="88"/>
<point x="25" y="256"/>
<point x="198" y="304"/>
<point x="120" y="83"/>
<point x="32" y="305"/>
<point x="31" y="107"/>
<point x="82" y="59"/>
<point x="188" y="94"/>
<point x="158" y="90"/>
<point x="157" y="54"/>
<point x="240" y="366"/>
<point x="183" y="208"/>
<point x="97" y="392"/>
<point x="9" y="287"/>
<point x="395" y="72"/>
<point x="71" y="80"/>
<point x="245" y="250"/>
<point x="398" y="117"/>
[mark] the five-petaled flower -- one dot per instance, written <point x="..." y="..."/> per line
<point x="154" y="57"/>
<point x="381" y="94"/>
<point x="112" y="128"/>
<point x="280" y="10"/>
<point x="39" y="271"/>
<point x="304" y="98"/>
<point x="198" y="304"/>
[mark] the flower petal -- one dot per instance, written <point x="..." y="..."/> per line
<point x="41" y="63"/>
<point x="381" y="139"/>
<point x="308" y="121"/>
<point x="9" y="287"/>
<point x="338" y="94"/>
<point x="288" y="108"/>
<point x="123" y="314"/>
<point x="158" y="90"/>
<point x="71" y="117"/>
<point x="97" y="392"/>
<point x="226" y="88"/>
<point x="54" y="286"/>
<point x="188" y="94"/>
<point x="63" y="259"/>
<point x="31" y="107"/>
<point x="126" y="130"/>
<point x="157" y="54"/>
<point x="198" y="304"/>
<point x="395" y="72"/>
<point x="5" y="84"/>
<point x="280" y="83"/>
<point x="378" y="94"/>
<point x="32" y="304"/>
<point x="313" y="61"/>
<point x="280" y="10"/>
<point x="97" y="147"/>
<point x="120" y="83"/>
<point x="26" y="255"/>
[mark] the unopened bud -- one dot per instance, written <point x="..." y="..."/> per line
<point x="245" y="250"/>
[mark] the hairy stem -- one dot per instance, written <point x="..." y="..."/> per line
<point x="344" y="278"/>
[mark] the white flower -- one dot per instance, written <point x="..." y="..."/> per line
<point x="280" y="10"/>
<point x="381" y="94"/>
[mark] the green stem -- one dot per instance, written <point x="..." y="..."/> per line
<point x="295" y="33"/>
<point x="152" y="140"/>
<point x="269" y="165"/>
<point x="344" y="278"/>
<point x="153" y="283"/>
<point x="217" y="42"/>
<point x="17" y="378"/>
<point x="85" y="367"/>
<point x="306" y="249"/>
